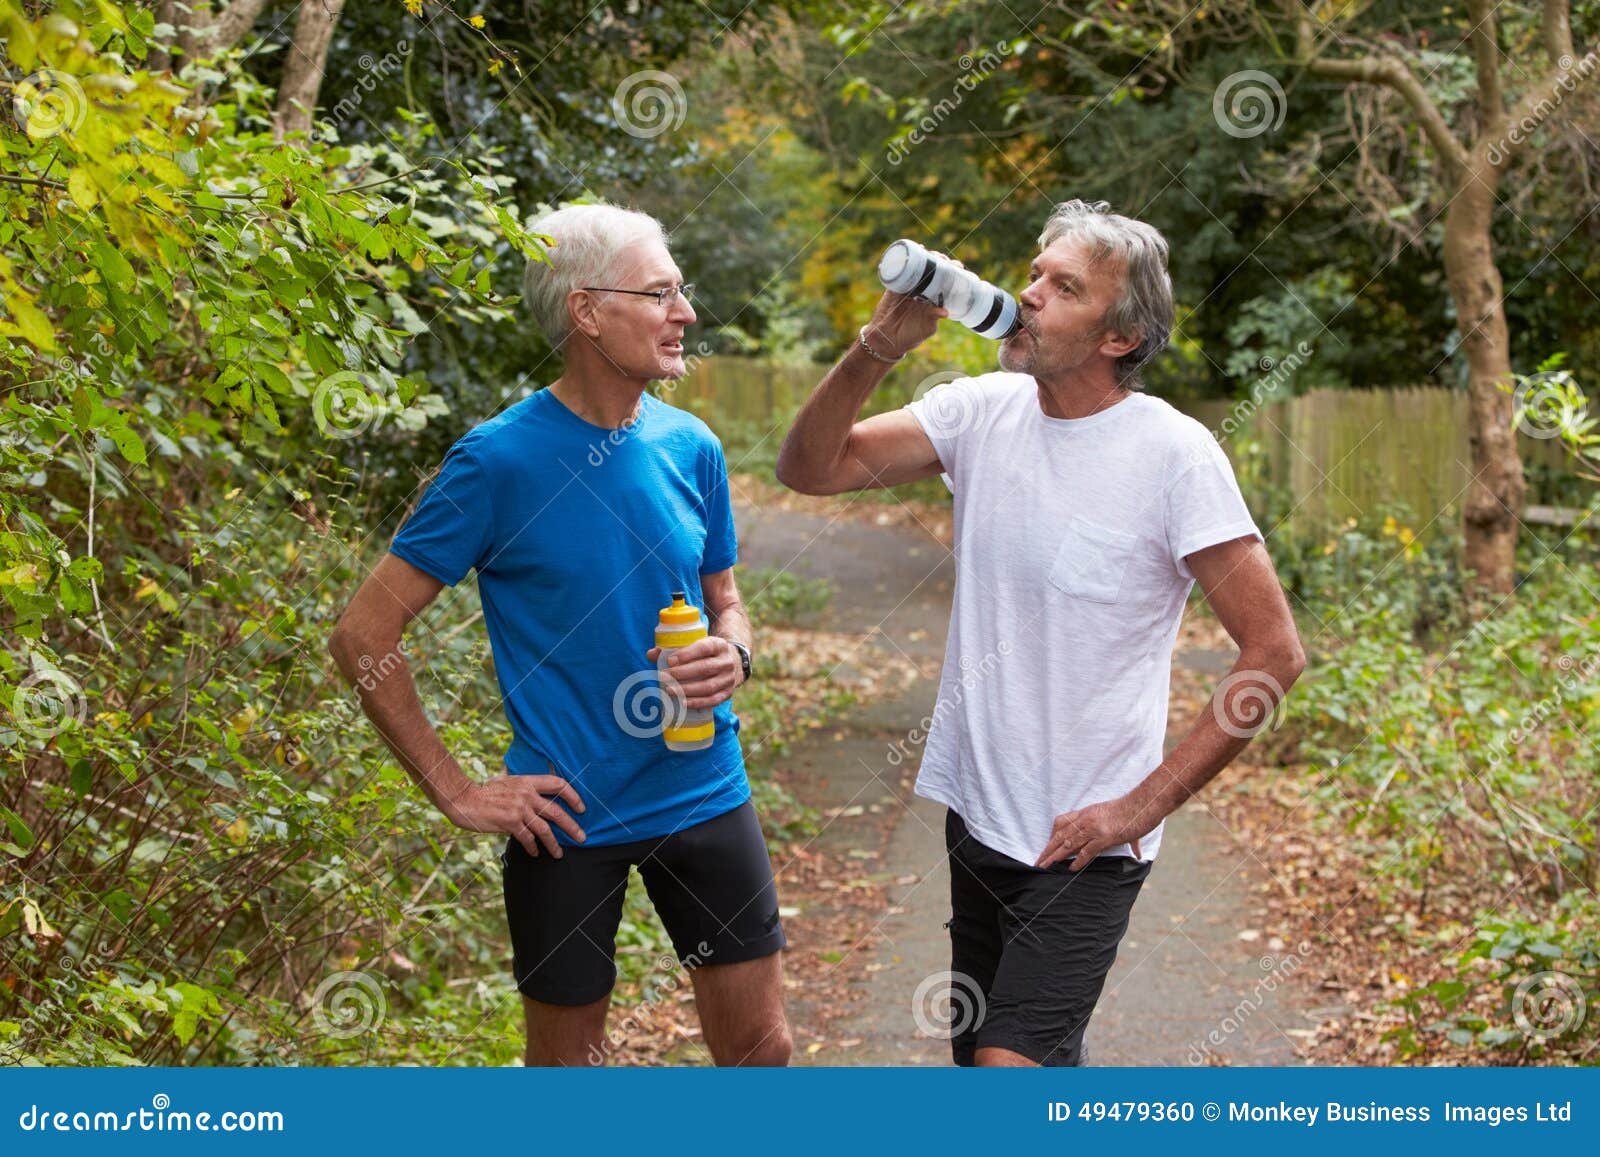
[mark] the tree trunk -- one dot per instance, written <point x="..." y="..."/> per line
<point x="1492" y="509"/>
<point x="206" y="31"/>
<point x="302" y="67"/>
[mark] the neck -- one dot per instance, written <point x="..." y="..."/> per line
<point x="592" y="387"/>
<point x="1079" y="395"/>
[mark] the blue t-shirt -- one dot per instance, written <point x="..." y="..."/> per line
<point x="579" y="535"/>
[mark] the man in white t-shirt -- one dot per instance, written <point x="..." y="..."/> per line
<point x="1085" y="510"/>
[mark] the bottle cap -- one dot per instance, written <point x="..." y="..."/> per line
<point x="679" y="613"/>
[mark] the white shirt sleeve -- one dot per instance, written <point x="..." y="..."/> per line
<point x="950" y="415"/>
<point x="1204" y="505"/>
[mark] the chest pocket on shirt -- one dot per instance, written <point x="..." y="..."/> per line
<point x="1091" y="561"/>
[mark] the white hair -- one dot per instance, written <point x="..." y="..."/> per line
<point x="1145" y="307"/>
<point x="586" y="241"/>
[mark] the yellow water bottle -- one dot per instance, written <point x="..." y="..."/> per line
<point x="683" y="728"/>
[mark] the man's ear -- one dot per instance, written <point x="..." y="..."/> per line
<point x="585" y="316"/>
<point x="1114" y="345"/>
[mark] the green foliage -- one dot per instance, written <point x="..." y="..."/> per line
<point x="205" y="325"/>
<point x="778" y="596"/>
<point x="1523" y="986"/>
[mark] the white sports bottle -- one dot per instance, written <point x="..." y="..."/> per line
<point x="987" y="311"/>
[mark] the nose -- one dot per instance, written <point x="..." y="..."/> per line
<point x="682" y="312"/>
<point x="1033" y="296"/>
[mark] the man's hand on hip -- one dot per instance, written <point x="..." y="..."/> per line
<point x="1079" y="836"/>
<point x="524" y="806"/>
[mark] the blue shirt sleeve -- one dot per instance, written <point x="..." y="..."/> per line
<point x="452" y="529"/>
<point x="722" y="543"/>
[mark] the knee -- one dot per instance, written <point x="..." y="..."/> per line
<point x="768" y="1048"/>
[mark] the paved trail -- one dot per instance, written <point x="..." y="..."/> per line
<point x="1182" y="972"/>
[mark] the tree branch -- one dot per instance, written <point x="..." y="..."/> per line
<point x="1557" y="30"/>
<point x="303" y="64"/>
<point x="1393" y="73"/>
<point x="1540" y="103"/>
<point x="208" y="33"/>
<point x="1486" y="49"/>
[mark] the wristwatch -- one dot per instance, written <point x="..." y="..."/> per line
<point x="744" y="659"/>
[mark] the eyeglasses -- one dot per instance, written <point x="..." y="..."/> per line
<point x="666" y="297"/>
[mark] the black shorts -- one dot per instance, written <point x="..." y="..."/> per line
<point x="1030" y="948"/>
<point x="711" y="885"/>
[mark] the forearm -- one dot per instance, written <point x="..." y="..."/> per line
<point x="388" y="696"/>
<point x="731" y="622"/>
<point x="1250" y="694"/>
<point x="818" y="441"/>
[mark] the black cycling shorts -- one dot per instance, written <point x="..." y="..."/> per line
<point x="711" y="884"/>
<point x="1030" y="948"/>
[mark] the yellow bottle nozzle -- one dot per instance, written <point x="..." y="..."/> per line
<point x="680" y="613"/>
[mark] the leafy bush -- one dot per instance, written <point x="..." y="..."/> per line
<point x="779" y="597"/>
<point x="1528" y="986"/>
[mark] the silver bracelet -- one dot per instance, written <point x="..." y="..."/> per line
<point x="874" y="354"/>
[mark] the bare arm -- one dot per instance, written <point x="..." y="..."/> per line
<point x="1242" y="587"/>
<point x="366" y="646"/>
<point x="708" y="671"/>
<point x="827" y="450"/>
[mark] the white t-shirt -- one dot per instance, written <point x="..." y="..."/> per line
<point x="1070" y="585"/>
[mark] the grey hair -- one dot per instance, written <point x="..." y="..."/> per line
<point x="1145" y="307"/>
<point x="587" y="240"/>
